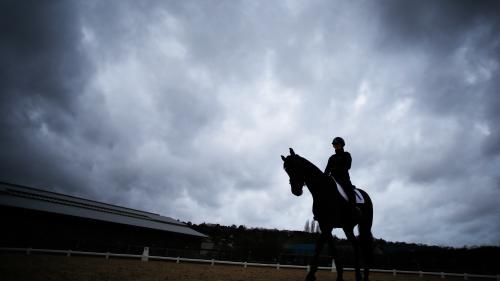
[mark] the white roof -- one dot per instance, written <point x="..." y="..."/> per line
<point x="13" y="195"/>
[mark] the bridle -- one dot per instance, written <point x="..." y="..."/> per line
<point x="297" y="178"/>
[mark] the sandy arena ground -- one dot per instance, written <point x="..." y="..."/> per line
<point x="54" y="268"/>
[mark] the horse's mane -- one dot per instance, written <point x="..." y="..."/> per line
<point x="313" y="168"/>
<point x="310" y="165"/>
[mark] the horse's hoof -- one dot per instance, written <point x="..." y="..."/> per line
<point x="310" y="278"/>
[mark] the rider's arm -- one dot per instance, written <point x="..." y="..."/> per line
<point x="345" y="163"/>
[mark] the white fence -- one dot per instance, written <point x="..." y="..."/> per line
<point x="145" y="257"/>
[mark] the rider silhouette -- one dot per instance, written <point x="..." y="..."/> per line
<point x="338" y="167"/>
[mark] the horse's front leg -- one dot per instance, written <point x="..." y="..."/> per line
<point x="349" y="233"/>
<point x="333" y="252"/>
<point x="313" y="267"/>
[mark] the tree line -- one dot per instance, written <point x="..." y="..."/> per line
<point x="240" y="243"/>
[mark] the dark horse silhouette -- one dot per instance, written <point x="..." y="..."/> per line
<point x="331" y="211"/>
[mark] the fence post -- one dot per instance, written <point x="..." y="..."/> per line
<point x="442" y="274"/>
<point x="278" y="266"/>
<point x="107" y="255"/>
<point x="68" y="253"/>
<point x="466" y="277"/>
<point x="420" y="274"/>
<point x="394" y="272"/>
<point x="333" y="265"/>
<point x="145" y="254"/>
<point x="212" y="263"/>
<point x="178" y="260"/>
<point x="245" y="264"/>
<point x="28" y="251"/>
<point x="308" y="268"/>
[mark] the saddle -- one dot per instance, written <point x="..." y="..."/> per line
<point x="359" y="197"/>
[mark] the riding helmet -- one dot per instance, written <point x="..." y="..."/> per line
<point x="338" y="140"/>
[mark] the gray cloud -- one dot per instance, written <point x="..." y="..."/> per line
<point x="183" y="108"/>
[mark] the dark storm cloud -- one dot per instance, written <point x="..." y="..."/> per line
<point x="458" y="34"/>
<point x="40" y="54"/>
<point x="440" y="26"/>
<point x="43" y="71"/>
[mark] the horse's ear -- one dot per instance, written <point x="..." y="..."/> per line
<point x="283" y="158"/>
<point x="291" y="151"/>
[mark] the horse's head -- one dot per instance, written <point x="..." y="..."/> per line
<point x="293" y="167"/>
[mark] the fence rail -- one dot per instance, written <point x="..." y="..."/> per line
<point x="145" y="257"/>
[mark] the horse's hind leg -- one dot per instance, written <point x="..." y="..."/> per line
<point x="349" y="233"/>
<point x="366" y="243"/>
<point x="366" y="248"/>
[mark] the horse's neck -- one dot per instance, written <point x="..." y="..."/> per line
<point x="314" y="177"/>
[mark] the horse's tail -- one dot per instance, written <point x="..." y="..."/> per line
<point x="365" y="228"/>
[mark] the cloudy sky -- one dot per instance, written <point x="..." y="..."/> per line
<point x="183" y="108"/>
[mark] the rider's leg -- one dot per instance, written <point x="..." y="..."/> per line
<point x="351" y="196"/>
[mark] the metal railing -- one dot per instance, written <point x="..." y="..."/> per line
<point x="145" y="257"/>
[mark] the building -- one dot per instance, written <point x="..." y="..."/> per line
<point x="35" y="218"/>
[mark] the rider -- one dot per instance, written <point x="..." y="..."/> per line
<point x="338" y="167"/>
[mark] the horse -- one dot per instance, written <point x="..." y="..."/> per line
<point x="331" y="211"/>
